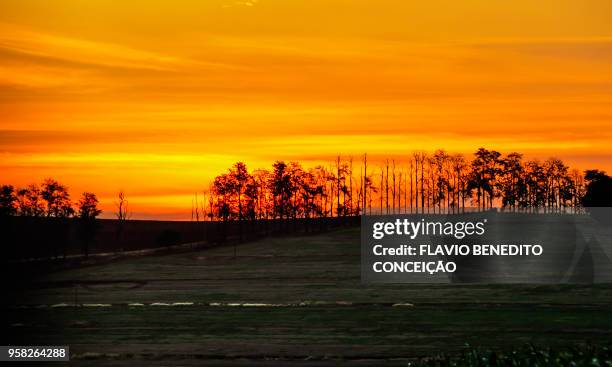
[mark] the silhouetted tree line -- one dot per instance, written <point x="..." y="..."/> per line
<point x="52" y="199"/>
<point x="427" y="183"/>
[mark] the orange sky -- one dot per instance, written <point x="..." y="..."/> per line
<point x="157" y="97"/>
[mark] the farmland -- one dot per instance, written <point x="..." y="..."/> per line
<point x="288" y="300"/>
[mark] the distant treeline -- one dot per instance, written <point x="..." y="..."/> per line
<point x="425" y="183"/>
<point x="49" y="199"/>
<point x="289" y="198"/>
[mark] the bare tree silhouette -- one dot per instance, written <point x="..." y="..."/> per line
<point x="123" y="214"/>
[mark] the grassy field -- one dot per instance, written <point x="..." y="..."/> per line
<point x="292" y="301"/>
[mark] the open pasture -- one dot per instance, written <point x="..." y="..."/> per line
<point x="288" y="300"/>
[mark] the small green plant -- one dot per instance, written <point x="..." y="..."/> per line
<point x="527" y="356"/>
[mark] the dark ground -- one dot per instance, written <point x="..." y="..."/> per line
<point x="283" y="301"/>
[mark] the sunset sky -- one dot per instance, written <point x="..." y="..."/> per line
<point x="157" y="97"/>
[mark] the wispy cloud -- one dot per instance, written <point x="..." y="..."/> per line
<point x="247" y="3"/>
<point x="74" y="51"/>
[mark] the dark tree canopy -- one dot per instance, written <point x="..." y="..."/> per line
<point x="598" y="189"/>
<point x="8" y="200"/>
<point x="57" y="199"/>
<point x="87" y="207"/>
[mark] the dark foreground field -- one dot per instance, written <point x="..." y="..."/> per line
<point x="289" y="301"/>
